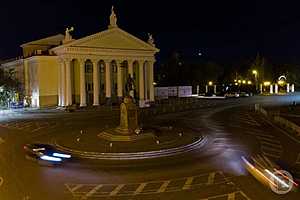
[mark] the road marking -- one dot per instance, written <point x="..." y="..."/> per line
<point x="271" y="155"/>
<point x="270" y="144"/>
<point x="231" y="196"/>
<point x="267" y="139"/>
<point x="263" y="148"/>
<point x="116" y="190"/>
<point x="188" y="183"/>
<point x="211" y="178"/>
<point x="163" y="187"/>
<point x="140" y="188"/>
<point x="74" y="188"/>
<point x="94" y="190"/>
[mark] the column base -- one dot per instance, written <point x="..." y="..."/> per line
<point x="96" y="104"/>
<point x="83" y="105"/>
<point x="108" y="101"/>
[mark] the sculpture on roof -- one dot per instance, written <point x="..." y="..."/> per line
<point x="151" y="40"/>
<point x="68" y="36"/>
<point x="113" y="19"/>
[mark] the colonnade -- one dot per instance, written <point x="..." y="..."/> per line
<point x="143" y="75"/>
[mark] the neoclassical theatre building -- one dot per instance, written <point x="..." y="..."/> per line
<point x="93" y="70"/>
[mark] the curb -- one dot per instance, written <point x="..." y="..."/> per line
<point x="135" y="156"/>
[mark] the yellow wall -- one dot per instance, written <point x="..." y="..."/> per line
<point x="48" y="79"/>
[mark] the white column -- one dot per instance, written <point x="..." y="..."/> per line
<point x="119" y="80"/>
<point x="197" y="90"/>
<point x="151" y="80"/>
<point x="215" y="89"/>
<point x="130" y="68"/>
<point x="276" y="88"/>
<point x="271" y="89"/>
<point x="68" y="83"/>
<point x="206" y="88"/>
<point x="96" y="82"/>
<point x="141" y="81"/>
<point x="62" y="84"/>
<point x="107" y="80"/>
<point x="292" y="88"/>
<point x="287" y="87"/>
<point x="82" y="83"/>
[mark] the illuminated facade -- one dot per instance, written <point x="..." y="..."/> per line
<point x="93" y="70"/>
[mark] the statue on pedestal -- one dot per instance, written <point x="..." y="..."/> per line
<point x="128" y="117"/>
<point x="68" y="36"/>
<point x="151" y="40"/>
<point x="112" y="19"/>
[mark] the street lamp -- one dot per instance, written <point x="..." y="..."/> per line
<point x="255" y="72"/>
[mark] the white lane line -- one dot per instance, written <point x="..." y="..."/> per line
<point x="163" y="187"/>
<point x="211" y="178"/>
<point x="188" y="183"/>
<point x="270" y="144"/>
<point x="140" y="188"/>
<point x="265" y="148"/>
<point x="231" y="196"/>
<point x="271" y="155"/>
<point x="259" y="134"/>
<point x="94" y="190"/>
<point x="267" y="139"/>
<point x="116" y="190"/>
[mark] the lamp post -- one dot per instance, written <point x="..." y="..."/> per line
<point x="255" y="76"/>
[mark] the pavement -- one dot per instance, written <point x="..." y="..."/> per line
<point x="213" y="172"/>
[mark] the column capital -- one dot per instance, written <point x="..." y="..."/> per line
<point x="95" y="60"/>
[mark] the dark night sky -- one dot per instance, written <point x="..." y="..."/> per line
<point x="222" y="30"/>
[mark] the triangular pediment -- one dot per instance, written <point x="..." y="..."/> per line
<point x="114" y="38"/>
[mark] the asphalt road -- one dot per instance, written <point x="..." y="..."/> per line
<point x="213" y="172"/>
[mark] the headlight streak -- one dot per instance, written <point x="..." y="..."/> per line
<point x="286" y="177"/>
<point x="50" y="158"/>
<point x="61" y="155"/>
<point x="277" y="179"/>
<point x="259" y="172"/>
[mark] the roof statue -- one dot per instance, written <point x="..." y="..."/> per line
<point x="68" y="36"/>
<point x="151" y="40"/>
<point x="112" y="19"/>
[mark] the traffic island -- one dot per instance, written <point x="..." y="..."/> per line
<point x="130" y="142"/>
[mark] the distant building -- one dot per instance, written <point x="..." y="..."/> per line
<point x="93" y="70"/>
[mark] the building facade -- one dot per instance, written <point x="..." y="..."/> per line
<point x="93" y="70"/>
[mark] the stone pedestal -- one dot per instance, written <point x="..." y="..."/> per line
<point x="128" y="130"/>
<point x="128" y="116"/>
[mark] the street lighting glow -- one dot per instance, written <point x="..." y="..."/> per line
<point x="244" y="82"/>
<point x="239" y="81"/>
<point x="210" y="83"/>
<point x="254" y="72"/>
<point x="280" y="82"/>
<point x="267" y="83"/>
<point x="249" y="82"/>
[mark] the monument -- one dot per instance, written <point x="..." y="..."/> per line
<point x="128" y="130"/>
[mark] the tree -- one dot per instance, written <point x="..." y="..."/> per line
<point x="10" y="87"/>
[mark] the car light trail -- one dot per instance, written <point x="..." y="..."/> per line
<point x="50" y="158"/>
<point x="259" y="172"/>
<point x="278" y="179"/>
<point x="61" y="155"/>
<point x="286" y="177"/>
